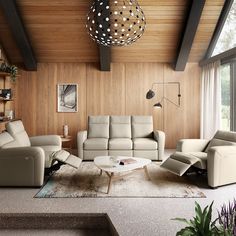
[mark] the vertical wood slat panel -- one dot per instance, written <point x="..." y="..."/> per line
<point x="119" y="92"/>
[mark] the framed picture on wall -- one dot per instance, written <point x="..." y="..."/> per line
<point x="67" y="97"/>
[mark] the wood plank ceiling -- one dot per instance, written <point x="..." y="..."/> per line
<point x="56" y="29"/>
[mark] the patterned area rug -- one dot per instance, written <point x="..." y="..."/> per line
<point x="86" y="182"/>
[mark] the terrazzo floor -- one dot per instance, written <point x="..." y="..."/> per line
<point x="131" y="217"/>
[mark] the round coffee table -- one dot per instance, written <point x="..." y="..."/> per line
<point x="116" y="171"/>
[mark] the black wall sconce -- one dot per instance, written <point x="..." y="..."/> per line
<point x="150" y="94"/>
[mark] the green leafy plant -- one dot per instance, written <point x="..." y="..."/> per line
<point x="201" y="224"/>
<point x="11" y="69"/>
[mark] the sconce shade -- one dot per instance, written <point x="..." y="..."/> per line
<point x="150" y="94"/>
<point x="158" y="105"/>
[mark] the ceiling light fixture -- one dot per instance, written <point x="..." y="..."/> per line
<point x="150" y="94"/>
<point x="115" y="22"/>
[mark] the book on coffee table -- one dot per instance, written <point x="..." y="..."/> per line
<point x="127" y="161"/>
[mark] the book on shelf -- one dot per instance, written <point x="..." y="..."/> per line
<point x="127" y="161"/>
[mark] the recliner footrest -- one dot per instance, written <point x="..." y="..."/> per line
<point x="67" y="158"/>
<point x="178" y="163"/>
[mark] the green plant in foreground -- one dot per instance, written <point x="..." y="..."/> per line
<point x="201" y="224"/>
<point x="227" y="219"/>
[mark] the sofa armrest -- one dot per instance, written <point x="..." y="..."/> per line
<point x="221" y="163"/>
<point x="159" y="136"/>
<point x="81" y="137"/>
<point x="45" y="140"/>
<point x="191" y="145"/>
<point x="22" y="166"/>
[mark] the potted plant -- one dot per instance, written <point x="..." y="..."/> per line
<point x="11" y="69"/>
<point x="202" y="224"/>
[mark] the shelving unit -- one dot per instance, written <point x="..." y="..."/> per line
<point x="3" y="102"/>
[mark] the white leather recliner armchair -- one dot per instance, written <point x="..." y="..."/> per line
<point x="217" y="156"/>
<point x="23" y="160"/>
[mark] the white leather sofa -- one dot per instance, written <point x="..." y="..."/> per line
<point x="121" y="135"/>
<point x="23" y="159"/>
<point x="217" y="156"/>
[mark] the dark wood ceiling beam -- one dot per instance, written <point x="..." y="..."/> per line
<point x="189" y="34"/>
<point x="104" y="52"/>
<point x="105" y="58"/>
<point x="220" y="24"/>
<point x="19" y="33"/>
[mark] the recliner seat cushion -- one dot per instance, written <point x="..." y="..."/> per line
<point x="17" y="131"/>
<point x="120" y="144"/>
<point x="98" y="127"/>
<point x="120" y="127"/>
<point x="96" y="144"/>
<point x="144" y="144"/>
<point x="142" y="126"/>
<point x="48" y="151"/>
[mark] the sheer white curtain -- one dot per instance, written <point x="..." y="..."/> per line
<point x="210" y="100"/>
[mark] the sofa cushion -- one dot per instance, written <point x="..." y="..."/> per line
<point x="17" y="131"/>
<point x="5" y="138"/>
<point x="226" y="135"/>
<point x="98" y="127"/>
<point x="144" y="144"/>
<point x="120" y="127"/>
<point x="142" y="126"/>
<point x="120" y="144"/>
<point x="96" y="144"/>
<point x="219" y="142"/>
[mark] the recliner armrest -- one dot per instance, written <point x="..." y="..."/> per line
<point x="46" y="140"/>
<point x="81" y="137"/>
<point x="221" y="162"/>
<point x="12" y="153"/>
<point x="191" y="145"/>
<point x="159" y="136"/>
<point x="24" y="163"/>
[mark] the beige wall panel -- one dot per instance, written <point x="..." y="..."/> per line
<point x="106" y="90"/>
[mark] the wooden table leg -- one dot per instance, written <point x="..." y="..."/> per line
<point x="146" y="172"/>
<point x="110" y="181"/>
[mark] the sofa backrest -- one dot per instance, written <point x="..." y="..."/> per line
<point x="5" y="138"/>
<point x="222" y="138"/>
<point x="142" y="126"/>
<point x="98" y="127"/>
<point x="17" y="131"/>
<point x="120" y="127"/>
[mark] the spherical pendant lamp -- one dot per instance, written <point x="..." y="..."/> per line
<point x="115" y="22"/>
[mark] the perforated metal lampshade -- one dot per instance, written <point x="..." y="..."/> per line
<point x="115" y="22"/>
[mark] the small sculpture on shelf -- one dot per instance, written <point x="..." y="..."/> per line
<point x="5" y="94"/>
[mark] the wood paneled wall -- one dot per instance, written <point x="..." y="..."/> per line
<point x="119" y="92"/>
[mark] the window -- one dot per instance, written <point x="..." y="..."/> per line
<point x="225" y="97"/>
<point x="228" y="95"/>
<point x="227" y="39"/>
